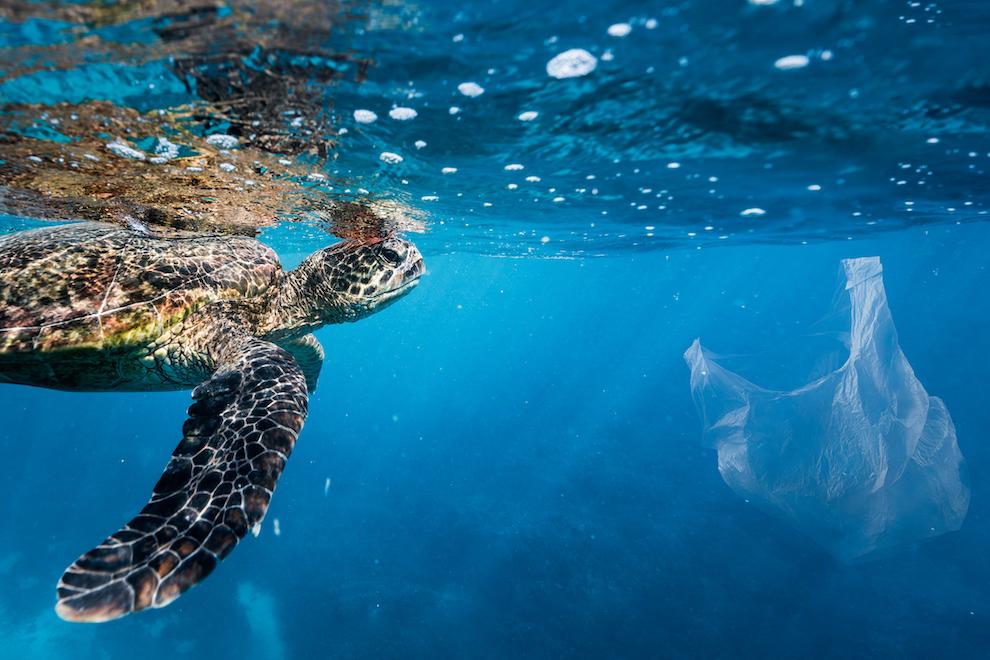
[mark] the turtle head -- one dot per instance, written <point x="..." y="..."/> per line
<point x="348" y="281"/>
<point x="369" y="276"/>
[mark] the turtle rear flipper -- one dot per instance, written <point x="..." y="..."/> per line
<point x="241" y="429"/>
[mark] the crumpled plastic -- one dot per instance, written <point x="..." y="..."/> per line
<point x="860" y="459"/>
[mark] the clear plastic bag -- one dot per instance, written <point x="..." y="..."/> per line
<point x="860" y="459"/>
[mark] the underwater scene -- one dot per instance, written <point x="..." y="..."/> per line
<point x="564" y="330"/>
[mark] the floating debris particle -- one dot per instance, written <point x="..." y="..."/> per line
<point x="222" y="141"/>
<point x="165" y="150"/>
<point x="792" y="62"/>
<point x="619" y="29"/>
<point x="365" y="116"/>
<point x="572" y="63"/>
<point x="124" y="150"/>
<point x="402" y="114"/>
<point x="470" y="89"/>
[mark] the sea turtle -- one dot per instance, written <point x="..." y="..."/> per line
<point x="94" y="307"/>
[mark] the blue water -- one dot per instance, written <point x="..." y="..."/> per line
<point x="514" y="461"/>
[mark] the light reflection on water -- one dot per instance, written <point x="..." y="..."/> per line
<point x="837" y="119"/>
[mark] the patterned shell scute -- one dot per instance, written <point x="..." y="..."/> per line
<point x="100" y="286"/>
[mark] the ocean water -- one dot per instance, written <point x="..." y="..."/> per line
<point x="508" y="462"/>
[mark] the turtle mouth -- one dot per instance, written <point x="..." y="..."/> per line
<point x="410" y="280"/>
<point x="399" y="290"/>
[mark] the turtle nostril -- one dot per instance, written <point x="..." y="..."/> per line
<point x="417" y="268"/>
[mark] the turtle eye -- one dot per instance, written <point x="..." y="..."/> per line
<point x="391" y="256"/>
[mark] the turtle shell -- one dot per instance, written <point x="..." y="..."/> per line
<point x="97" y="286"/>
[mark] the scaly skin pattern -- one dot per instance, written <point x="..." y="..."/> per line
<point x="81" y="306"/>
<point x="241" y="429"/>
<point x="99" y="307"/>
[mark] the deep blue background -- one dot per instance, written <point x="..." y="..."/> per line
<point x="515" y="462"/>
<point x="516" y="471"/>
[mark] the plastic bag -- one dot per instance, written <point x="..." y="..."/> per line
<point x="859" y="459"/>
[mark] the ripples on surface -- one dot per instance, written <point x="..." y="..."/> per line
<point x="693" y="123"/>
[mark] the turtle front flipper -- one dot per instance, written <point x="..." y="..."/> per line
<point x="241" y="429"/>
<point x="309" y="355"/>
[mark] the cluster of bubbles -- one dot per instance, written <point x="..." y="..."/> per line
<point x="748" y="191"/>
